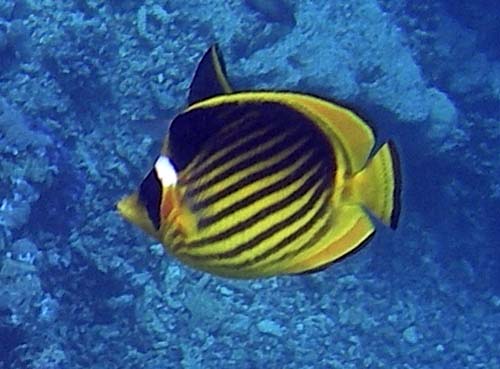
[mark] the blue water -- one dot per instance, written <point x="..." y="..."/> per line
<point x="87" y="88"/>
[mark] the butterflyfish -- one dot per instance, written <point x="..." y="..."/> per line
<point x="264" y="183"/>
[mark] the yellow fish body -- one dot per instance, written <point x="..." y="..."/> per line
<point x="256" y="184"/>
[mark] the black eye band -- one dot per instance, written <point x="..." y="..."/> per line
<point x="150" y="195"/>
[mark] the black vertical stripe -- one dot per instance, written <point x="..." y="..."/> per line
<point x="150" y="195"/>
<point x="227" y="136"/>
<point x="321" y="213"/>
<point x="264" y="213"/>
<point x="190" y="131"/>
<point x="249" y="179"/>
<point x="292" y="177"/>
<point x="266" y="234"/>
<point x="208" y="188"/>
<point x="245" y="147"/>
<point x="259" y="157"/>
<point x="196" y="130"/>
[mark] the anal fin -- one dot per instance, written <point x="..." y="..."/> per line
<point x="351" y="230"/>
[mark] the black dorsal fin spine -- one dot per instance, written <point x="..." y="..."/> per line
<point x="210" y="77"/>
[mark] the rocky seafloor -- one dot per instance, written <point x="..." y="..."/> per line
<point x="86" y="90"/>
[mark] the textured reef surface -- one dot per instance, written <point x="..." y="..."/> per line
<point x="87" y="88"/>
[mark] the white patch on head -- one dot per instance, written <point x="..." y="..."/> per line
<point x="166" y="171"/>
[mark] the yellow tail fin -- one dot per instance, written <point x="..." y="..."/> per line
<point x="378" y="185"/>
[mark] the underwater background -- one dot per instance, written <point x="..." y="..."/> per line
<point x="87" y="88"/>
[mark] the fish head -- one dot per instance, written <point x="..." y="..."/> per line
<point x="158" y="207"/>
<point x="134" y="211"/>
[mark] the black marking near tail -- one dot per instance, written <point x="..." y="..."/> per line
<point x="396" y="208"/>
<point x="150" y="194"/>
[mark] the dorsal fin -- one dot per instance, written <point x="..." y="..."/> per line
<point x="210" y="77"/>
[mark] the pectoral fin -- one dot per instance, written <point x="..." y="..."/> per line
<point x="176" y="214"/>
